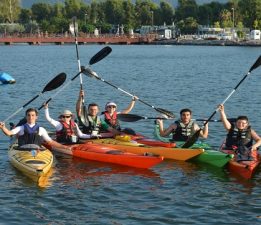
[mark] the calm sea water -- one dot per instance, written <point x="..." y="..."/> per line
<point x="169" y="77"/>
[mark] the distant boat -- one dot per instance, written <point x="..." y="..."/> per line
<point x="5" y="78"/>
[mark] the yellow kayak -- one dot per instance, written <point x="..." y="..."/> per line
<point x="33" y="163"/>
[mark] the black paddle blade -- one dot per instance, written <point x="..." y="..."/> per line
<point x="100" y="55"/>
<point x="191" y="140"/>
<point x="256" y="64"/>
<point x="166" y="112"/>
<point x="129" y="117"/>
<point x="55" y="82"/>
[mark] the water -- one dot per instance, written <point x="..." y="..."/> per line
<point x="169" y="77"/>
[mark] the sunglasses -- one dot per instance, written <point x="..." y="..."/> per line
<point x="111" y="106"/>
<point x="66" y="116"/>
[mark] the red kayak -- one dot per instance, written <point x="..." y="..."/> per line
<point x="151" y="142"/>
<point x="99" y="152"/>
<point x="245" y="169"/>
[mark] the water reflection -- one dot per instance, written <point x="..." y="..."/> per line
<point x="75" y="170"/>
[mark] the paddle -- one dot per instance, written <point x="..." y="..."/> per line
<point x="134" y="118"/>
<point x="160" y="110"/>
<point x="74" y="31"/>
<point x="195" y="136"/>
<point x="53" y="84"/>
<point x="96" y="58"/>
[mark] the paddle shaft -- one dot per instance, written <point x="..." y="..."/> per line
<point x="77" y="53"/>
<point x="94" y="74"/>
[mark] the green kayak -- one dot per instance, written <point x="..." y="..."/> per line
<point x="209" y="156"/>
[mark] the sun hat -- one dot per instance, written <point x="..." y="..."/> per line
<point x="66" y="112"/>
<point x="110" y="104"/>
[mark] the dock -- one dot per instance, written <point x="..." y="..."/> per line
<point x="38" y="40"/>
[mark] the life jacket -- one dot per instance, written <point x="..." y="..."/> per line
<point x="112" y="121"/>
<point x="30" y="136"/>
<point x="91" y="125"/>
<point x="65" y="134"/>
<point x="236" y="137"/>
<point x="183" y="132"/>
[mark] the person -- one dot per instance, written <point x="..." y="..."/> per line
<point x="110" y="114"/>
<point x="90" y="122"/>
<point x="184" y="128"/>
<point x="240" y="135"/>
<point x="67" y="131"/>
<point x="31" y="133"/>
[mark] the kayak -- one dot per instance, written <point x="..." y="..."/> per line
<point x="209" y="156"/>
<point x="101" y="153"/>
<point x="244" y="169"/>
<point x="33" y="163"/>
<point x="5" y="78"/>
<point x="151" y="142"/>
<point x="132" y="147"/>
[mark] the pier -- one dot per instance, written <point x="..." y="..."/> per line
<point x="38" y="40"/>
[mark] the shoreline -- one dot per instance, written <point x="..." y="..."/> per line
<point x="251" y="43"/>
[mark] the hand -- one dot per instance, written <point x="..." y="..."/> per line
<point x="2" y="124"/>
<point x="135" y="98"/>
<point x="221" y="108"/>
<point x="159" y="121"/>
<point x="81" y="94"/>
<point x="45" y="105"/>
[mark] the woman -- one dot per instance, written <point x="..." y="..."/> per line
<point x="67" y="131"/>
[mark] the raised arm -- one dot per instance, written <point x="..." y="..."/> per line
<point x="167" y="131"/>
<point x="79" y="103"/>
<point x="130" y="106"/>
<point x="5" y="130"/>
<point x="223" y="117"/>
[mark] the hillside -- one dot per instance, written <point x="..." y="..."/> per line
<point x="28" y="3"/>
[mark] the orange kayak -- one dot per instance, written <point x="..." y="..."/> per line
<point x="245" y="169"/>
<point x="168" y="153"/>
<point x="99" y="152"/>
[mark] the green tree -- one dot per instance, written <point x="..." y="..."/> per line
<point x="250" y="11"/>
<point x="9" y="10"/>
<point x="25" y="16"/>
<point x="129" y="12"/>
<point x="186" y="8"/>
<point x="72" y="8"/>
<point x="166" y="12"/>
<point x="41" y="11"/>
<point x="225" y="18"/>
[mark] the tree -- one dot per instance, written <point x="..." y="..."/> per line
<point x="225" y="18"/>
<point x="9" y="10"/>
<point x="41" y="11"/>
<point x="250" y="11"/>
<point x="166" y="12"/>
<point x="187" y="8"/>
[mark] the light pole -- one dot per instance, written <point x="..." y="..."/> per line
<point x="85" y="18"/>
<point x="233" y="16"/>
<point x="152" y="18"/>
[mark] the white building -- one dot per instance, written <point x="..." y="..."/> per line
<point x="255" y="35"/>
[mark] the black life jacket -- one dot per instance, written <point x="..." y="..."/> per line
<point x="112" y="121"/>
<point x="91" y="125"/>
<point x="30" y="136"/>
<point x="236" y="137"/>
<point x="65" y="134"/>
<point x="183" y="132"/>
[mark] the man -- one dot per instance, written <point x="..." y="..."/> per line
<point x="239" y="134"/>
<point x="90" y="122"/>
<point x="184" y="128"/>
<point x="31" y="132"/>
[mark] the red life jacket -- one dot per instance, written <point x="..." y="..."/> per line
<point x="64" y="135"/>
<point x="112" y="120"/>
